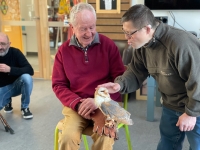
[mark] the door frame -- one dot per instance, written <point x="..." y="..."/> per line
<point x="42" y="35"/>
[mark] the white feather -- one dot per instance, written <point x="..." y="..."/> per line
<point x="101" y="95"/>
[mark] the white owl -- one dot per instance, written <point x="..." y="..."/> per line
<point x="110" y="108"/>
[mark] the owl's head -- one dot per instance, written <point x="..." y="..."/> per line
<point x="101" y="95"/>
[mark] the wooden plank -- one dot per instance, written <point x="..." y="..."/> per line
<point x="94" y="5"/>
<point x="42" y="36"/>
<point x="91" y="1"/>
<point x="44" y="40"/>
<point x="115" y="29"/>
<point x="110" y="15"/>
<point x="122" y="1"/>
<point x="125" y="7"/>
<point x="115" y="36"/>
<point x="108" y="21"/>
<point x="126" y="1"/>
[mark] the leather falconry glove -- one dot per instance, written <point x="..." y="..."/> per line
<point x="103" y="126"/>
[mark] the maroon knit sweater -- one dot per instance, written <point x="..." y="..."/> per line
<point x="74" y="78"/>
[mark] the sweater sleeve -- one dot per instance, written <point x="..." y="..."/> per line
<point x="134" y="76"/>
<point x="187" y="62"/>
<point x="61" y="84"/>
<point x="21" y="65"/>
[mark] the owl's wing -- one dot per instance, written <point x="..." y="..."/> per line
<point x="116" y="112"/>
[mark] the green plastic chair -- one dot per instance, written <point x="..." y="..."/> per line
<point x="128" y="139"/>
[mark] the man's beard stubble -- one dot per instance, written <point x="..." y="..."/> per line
<point x="4" y="52"/>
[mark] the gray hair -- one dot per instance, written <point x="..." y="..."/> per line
<point x="140" y="16"/>
<point x="79" y="8"/>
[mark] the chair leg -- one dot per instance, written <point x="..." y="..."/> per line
<point x="128" y="139"/>
<point x="56" y="138"/>
<point x="85" y="142"/>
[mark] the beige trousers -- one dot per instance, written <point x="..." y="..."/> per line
<point x="73" y="127"/>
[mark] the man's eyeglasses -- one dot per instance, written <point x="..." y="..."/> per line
<point x="3" y="44"/>
<point x="129" y="35"/>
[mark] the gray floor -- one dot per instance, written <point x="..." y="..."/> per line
<point x="38" y="133"/>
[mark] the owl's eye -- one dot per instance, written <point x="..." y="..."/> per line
<point x="105" y="93"/>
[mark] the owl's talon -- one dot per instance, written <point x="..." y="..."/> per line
<point x="110" y="123"/>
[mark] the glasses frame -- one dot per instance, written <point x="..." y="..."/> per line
<point x="129" y="35"/>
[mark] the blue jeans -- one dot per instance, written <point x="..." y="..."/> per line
<point x="171" y="137"/>
<point x="23" y="85"/>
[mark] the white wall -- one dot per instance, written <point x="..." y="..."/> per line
<point x="188" y="19"/>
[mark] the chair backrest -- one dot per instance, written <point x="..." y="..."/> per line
<point x="127" y="55"/>
<point x="126" y="51"/>
<point x="121" y="45"/>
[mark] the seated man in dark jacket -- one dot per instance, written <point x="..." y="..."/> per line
<point x="15" y="77"/>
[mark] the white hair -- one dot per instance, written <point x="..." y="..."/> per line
<point x="79" y="8"/>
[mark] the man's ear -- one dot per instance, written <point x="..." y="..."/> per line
<point x="148" y="28"/>
<point x="72" y="28"/>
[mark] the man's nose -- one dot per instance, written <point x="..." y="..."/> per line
<point x="127" y="36"/>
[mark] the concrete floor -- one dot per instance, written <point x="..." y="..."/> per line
<point x="38" y="133"/>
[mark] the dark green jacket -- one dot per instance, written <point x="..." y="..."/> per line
<point x="172" y="58"/>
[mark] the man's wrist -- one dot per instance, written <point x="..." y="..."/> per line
<point x="77" y="106"/>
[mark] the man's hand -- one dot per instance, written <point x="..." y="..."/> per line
<point x="4" y="68"/>
<point x="100" y="126"/>
<point x="86" y="107"/>
<point x="112" y="87"/>
<point x="186" y="123"/>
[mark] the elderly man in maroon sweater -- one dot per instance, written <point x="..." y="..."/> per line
<point x="81" y="63"/>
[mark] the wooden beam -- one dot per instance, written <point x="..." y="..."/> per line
<point x="123" y="6"/>
<point x="115" y="36"/>
<point x="108" y="22"/>
<point x="110" y="15"/>
<point x="45" y="48"/>
<point x="122" y="1"/>
<point x="110" y="29"/>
